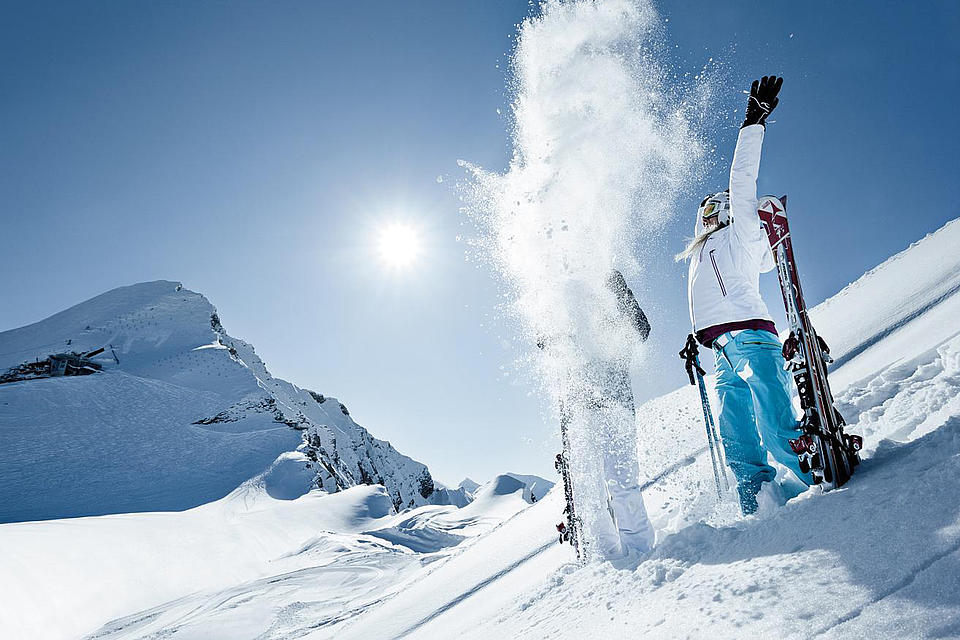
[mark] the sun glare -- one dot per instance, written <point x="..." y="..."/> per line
<point x="399" y="245"/>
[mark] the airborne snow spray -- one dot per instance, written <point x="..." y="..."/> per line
<point x="601" y="149"/>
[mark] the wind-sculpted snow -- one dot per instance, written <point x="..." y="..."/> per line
<point x="66" y="578"/>
<point x="602" y="146"/>
<point x="253" y="564"/>
<point x="181" y="414"/>
<point x="458" y="497"/>
<point x="535" y="487"/>
<point x="430" y="529"/>
<point x="289" y="477"/>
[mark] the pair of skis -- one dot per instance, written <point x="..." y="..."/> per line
<point x="823" y="448"/>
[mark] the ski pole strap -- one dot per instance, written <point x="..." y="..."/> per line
<point x="690" y="355"/>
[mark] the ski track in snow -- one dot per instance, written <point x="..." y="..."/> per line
<point x="312" y="598"/>
<point x="476" y="589"/>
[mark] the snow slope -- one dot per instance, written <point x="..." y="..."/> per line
<point x="246" y="565"/>
<point x="181" y="415"/>
<point x="887" y="562"/>
<point x="64" y="578"/>
<point x="910" y="284"/>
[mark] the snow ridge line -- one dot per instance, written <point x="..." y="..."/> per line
<point x="903" y="584"/>
<point x="476" y="588"/>
<point x="863" y="346"/>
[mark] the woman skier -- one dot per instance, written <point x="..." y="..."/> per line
<point x="727" y="255"/>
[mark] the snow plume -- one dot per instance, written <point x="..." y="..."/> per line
<point x="602" y="146"/>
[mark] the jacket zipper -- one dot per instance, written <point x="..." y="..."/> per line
<point x="723" y="289"/>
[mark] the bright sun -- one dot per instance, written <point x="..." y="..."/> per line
<point x="399" y="245"/>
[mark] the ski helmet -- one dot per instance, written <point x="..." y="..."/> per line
<point x="718" y="205"/>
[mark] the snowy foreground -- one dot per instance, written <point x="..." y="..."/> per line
<point x="879" y="558"/>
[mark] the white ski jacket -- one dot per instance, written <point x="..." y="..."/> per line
<point x="723" y="283"/>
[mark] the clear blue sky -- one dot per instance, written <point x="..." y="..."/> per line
<point x="252" y="150"/>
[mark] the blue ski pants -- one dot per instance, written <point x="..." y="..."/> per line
<point x="756" y="414"/>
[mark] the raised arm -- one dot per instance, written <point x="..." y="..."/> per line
<point x="746" y="164"/>
<point x="743" y="183"/>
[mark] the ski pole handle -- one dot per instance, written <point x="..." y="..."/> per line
<point x="689" y="354"/>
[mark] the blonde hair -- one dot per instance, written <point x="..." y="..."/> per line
<point x="696" y="243"/>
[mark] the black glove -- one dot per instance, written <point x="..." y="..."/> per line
<point x="763" y="100"/>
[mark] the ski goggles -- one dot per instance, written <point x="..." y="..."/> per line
<point x="710" y="209"/>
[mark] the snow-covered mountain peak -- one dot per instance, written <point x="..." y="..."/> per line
<point x="502" y="485"/>
<point x="179" y="413"/>
<point x="139" y="319"/>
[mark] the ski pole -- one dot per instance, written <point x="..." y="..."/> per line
<point x="715" y="436"/>
<point x="690" y="355"/>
